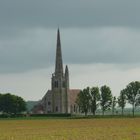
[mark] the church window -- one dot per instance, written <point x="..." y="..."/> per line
<point x="56" y="109"/>
<point x="63" y="84"/>
<point x="71" y="109"/>
<point x="79" y="109"/>
<point x="74" y="108"/>
<point x="49" y="103"/>
<point x="56" y="84"/>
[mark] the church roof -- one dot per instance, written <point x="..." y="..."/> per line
<point x="73" y="95"/>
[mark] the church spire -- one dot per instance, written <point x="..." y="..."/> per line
<point x="59" y="62"/>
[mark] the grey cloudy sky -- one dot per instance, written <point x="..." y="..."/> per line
<point x="100" y="43"/>
<point x="74" y="13"/>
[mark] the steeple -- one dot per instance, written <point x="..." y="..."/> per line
<point x="60" y="82"/>
<point x="59" y="62"/>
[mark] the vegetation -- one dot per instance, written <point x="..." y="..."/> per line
<point x="133" y="94"/>
<point x="114" y="102"/>
<point x="106" y="98"/>
<point x="83" y="100"/>
<point x="30" y="105"/>
<point x="71" y="129"/>
<point x="11" y="104"/>
<point x="89" y="99"/>
<point x="94" y="99"/>
<point x="122" y="100"/>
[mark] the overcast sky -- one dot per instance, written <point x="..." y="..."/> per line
<point x="100" y="44"/>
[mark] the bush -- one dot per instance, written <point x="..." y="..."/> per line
<point x="50" y="115"/>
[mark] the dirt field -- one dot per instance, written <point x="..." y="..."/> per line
<point x="71" y="129"/>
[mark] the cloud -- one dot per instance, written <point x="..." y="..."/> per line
<point x="73" y="13"/>
<point x="29" y="50"/>
<point x="100" y="43"/>
<point x="33" y="85"/>
<point x="85" y="75"/>
<point x="35" y="48"/>
<point x="91" y="32"/>
<point x="103" y="45"/>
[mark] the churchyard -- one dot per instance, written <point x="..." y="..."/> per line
<point x="70" y="129"/>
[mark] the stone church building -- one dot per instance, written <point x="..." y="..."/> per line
<point x="60" y="99"/>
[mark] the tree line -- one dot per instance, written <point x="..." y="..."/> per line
<point x="11" y="104"/>
<point x="95" y="97"/>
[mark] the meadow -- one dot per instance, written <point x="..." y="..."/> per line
<point x="71" y="129"/>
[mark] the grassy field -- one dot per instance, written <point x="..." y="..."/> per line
<point x="71" y="129"/>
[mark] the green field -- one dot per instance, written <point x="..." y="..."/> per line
<point x="71" y="129"/>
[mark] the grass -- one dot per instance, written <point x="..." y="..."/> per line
<point x="71" y="129"/>
<point x="69" y="117"/>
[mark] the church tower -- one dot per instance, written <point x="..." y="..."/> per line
<point x="60" y="99"/>
<point x="60" y="82"/>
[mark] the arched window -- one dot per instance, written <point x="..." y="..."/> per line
<point x="64" y="84"/>
<point x="71" y="109"/>
<point x="56" y="108"/>
<point x="56" y="84"/>
<point x="74" y="108"/>
<point x="49" y="103"/>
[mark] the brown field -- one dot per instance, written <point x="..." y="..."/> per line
<point x="71" y="129"/>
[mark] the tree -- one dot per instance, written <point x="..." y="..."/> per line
<point x="11" y="104"/>
<point x="122" y="100"/>
<point x="114" y="102"/>
<point x="133" y="94"/>
<point x="19" y="104"/>
<point x="6" y="103"/>
<point x="94" y="99"/>
<point x="106" y="98"/>
<point x="0" y="104"/>
<point x="83" y="100"/>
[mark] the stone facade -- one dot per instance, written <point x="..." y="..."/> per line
<point x="60" y="99"/>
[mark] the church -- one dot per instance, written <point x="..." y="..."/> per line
<point x="60" y="99"/>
